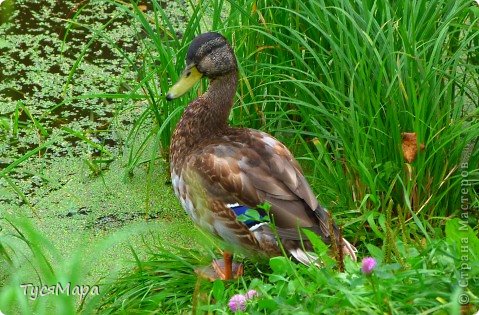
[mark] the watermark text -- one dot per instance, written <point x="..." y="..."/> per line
<point x="35" y="291"/>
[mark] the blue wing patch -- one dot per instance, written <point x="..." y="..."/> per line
<point x="241" y="210"/>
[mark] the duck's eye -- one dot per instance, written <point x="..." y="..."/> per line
<point x="188" y="74"/>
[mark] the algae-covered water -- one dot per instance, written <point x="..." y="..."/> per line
<point x="71" y="199"/>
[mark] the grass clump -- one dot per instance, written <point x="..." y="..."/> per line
<point x="426" y="282"/>
<point x="149" y="286"/>
<point x="346" y="80"/>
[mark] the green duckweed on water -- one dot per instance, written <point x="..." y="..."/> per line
<point x="75" y="191"/>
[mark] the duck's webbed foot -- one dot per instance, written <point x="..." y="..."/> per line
<point x="224" y="269"/>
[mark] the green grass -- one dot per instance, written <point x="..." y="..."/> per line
<point x="425" y="283"/>
<point x="338" y="82"/>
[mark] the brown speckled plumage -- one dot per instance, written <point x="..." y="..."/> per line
<point x="214" y="165"/>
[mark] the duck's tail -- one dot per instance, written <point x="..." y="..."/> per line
<point x="349" y="249"/>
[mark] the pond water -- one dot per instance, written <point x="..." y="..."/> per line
<point x="38" y="49"/>
<point x="41" y="97"/>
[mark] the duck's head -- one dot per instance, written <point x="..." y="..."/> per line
<point x="208" y="55"/>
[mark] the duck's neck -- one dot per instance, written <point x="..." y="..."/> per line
<point x="206" y="116"/>
<point x="218" y="100"/>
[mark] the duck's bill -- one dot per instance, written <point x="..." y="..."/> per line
<point x="188" y="78"/>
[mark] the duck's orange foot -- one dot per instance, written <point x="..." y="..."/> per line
<point x="217" y="271"/>
<point x="233" y="271"/>
<point x="224" y="269"/>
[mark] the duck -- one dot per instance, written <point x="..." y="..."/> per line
<point x="220" y="172"/>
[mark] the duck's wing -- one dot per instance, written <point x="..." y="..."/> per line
<point x="250" y="167"/>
